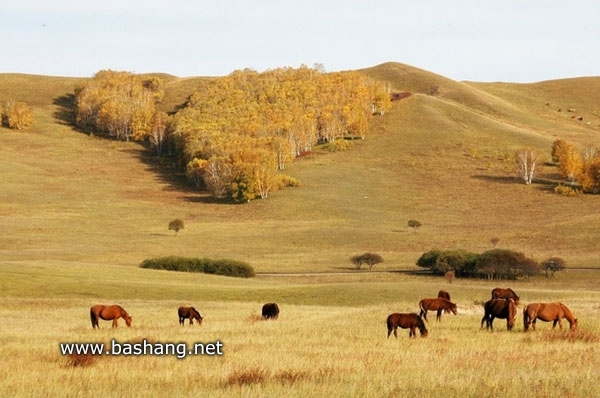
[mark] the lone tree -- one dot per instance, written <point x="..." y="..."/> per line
<point x="367" y="258"/>
<point x="414" y="224"/>
<point x="551" y="265"/>
<point x="176" y="225"/>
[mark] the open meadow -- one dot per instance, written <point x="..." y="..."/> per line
<point x="80" y="213"/>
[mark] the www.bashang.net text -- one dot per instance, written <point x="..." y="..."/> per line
<point x="143" y="347"/>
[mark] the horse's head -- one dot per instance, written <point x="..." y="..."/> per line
<point x="452" y="308"/>
<point x="573" y="325"/>
<point x="128" y="320"/>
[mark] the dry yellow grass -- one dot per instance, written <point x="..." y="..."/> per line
<point x="81" y="212"/>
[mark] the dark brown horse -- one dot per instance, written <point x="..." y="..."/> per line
<point x="108" y="312"/>
<point x="499" y="308"/>
<point x="446" y="295"/>
<point x="438" y="304"/>
<point x="410" y="321"/>
<point x="500" y="293"/>
<point x="189" y="313"/>
<point x="270" y="311"/>
<point x="547" y="312"/>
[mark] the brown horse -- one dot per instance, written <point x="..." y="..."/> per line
<point x="108" y="312"/>
<point x="189" y="313"/>
<point x="438" y="304"/>
<point x="410" y="321"/>
<point x="499" y="308"/>
<point x="446" y="295"/>
<point x="547" y="312"/>
<point x="500" y="293"/>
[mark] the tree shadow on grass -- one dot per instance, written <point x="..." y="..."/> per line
<point x="544" y="184"/>
<point x="174" y="179"/>
<point x="66" y="109"/>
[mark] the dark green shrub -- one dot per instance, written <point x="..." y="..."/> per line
<point x="223" y="267"/>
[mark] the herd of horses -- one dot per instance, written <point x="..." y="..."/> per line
<point x="115" y="312"/>
<point x="504" y="304"/>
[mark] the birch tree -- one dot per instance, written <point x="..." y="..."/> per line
<point x="527" y="161"/>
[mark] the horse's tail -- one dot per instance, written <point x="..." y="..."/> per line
<point x="525" y="319"/>
<point x="421" y="326"/>
<point x="93" y="317"/>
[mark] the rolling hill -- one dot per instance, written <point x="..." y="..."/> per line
<point x="443" y="159"/>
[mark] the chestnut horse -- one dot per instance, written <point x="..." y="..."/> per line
<point x="547" y="312"/>
<point x="499" y="308"/>
<point x="108" y="312"/>
<point x="189" y="313"/>
<point x="438" y="304"/>
<point x="500" y="293"/>
<point x="410" y="321"/>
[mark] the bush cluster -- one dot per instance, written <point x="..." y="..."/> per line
<point x="224" y="267"/>
<point x="492" y="264"/>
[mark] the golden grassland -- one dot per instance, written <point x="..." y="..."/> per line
<point x="327" y="344"/>
<point x="81" y="212"/>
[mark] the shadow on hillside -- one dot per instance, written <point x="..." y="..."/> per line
<point x="66" y="109"/>
<point x="545" y="184"/>
<point x="175" y="180"/>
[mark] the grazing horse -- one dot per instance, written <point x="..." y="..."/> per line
<point x="108" y="312"/>
<point x="500" y="293"/>
<point x="438" y="304"/>
<point x="499" y="308"/>
<point x="547" y="312"/>
<point x="270" y="311"/>
<point x="189" y="313"/>
<point x="410" y="321"/>
<point x="446" y="295"/>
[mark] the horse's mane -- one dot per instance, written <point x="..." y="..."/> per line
<point x="568" y="314"/>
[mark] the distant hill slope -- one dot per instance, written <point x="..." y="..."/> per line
<point x="444" y="159"/>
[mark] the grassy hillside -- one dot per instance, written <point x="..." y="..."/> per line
<point x="79" y="213"/>
<point x="444" y="159"/>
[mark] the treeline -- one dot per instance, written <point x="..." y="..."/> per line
<point x="492" y="264"/>
<point x="234" y="136"/>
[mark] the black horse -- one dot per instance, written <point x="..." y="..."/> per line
<point x="270" y="311"/>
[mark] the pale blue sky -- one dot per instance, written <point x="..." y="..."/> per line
<point x="501" y="40"/>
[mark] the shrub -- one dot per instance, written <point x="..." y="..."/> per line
<point x="566" y="190"/>
<point x="414" y="224"/>
<point x="505" y="264"/>
<point x="367" y="258"/>
<point x="176" y="225"/>
<point x="224" y="267"/>
<point x="461" y="262"/>
<point x="551" y="265"/>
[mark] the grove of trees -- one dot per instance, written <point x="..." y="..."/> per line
<point x="578" y="165"/>
<point x="492" y="264"/>
<point x="235" y="135"/>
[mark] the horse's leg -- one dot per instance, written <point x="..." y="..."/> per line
<point x="423" y="314"/>
<point x="114" y="325"/>
<point x="559" y="321"/>
<point x="439" y="314"/>
<point x="484" y="319"/>
<point x="413" y="332"/>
